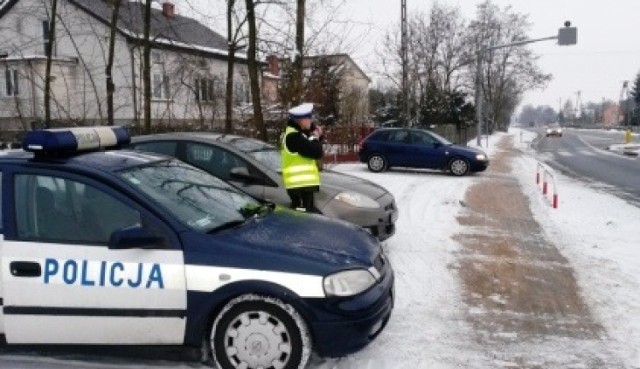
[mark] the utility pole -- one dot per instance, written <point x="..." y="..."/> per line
<point x="578" y="107"/>
<point x="566" y="36"/>
<point x="405" y="62"/>
<point x="623" y="93"/>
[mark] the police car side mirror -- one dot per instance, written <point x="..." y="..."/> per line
<point x="135" y="238"/>
<point x="242" y="174"/>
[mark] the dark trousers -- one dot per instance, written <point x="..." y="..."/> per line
<point x="302" y="199"/>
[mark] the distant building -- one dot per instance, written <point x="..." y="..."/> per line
<point x="335" y="83"/>
<point x="613" y="115"/>
<point x="189" y="65"/>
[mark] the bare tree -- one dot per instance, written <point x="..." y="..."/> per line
<point x="146" y="69"/>
<point x="234" y="39"/>
<point x="254" y="78"/>
<point x="507" y="72"/>
<point x="298" y="57"/>
<point x="110" y="57"/>
<point x="49" y="50"/>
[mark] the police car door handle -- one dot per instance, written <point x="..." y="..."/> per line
<point x="28" y="269"/>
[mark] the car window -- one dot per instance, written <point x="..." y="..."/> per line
<point x="379" y="136"/>
<point x="53" y="209"/>
<point x="399" y="136"/>
<point x="161" y="147"/>
<point x="217" y="161"/>
<point x="421" y="138"/>
<point x="270" y="158"/>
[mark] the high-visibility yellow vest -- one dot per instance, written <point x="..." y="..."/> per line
<point x="297" y="171"/>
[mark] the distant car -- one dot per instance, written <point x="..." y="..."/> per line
<point x="417" y="148"/>
<point x="554" y="131"/>
<point x="255" y="167"/>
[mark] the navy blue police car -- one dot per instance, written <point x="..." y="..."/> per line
<point x="103" y="246"/>
<point x="419" y="148"/>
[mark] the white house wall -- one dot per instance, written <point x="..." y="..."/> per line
<point x="79" y="85"/>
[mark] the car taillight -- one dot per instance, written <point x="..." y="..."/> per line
<point x="360" y="145"/>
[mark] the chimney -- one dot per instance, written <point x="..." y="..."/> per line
<point x="168" y="9"/>
<point x="274" y="65"/>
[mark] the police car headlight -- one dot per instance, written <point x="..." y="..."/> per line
<point x="358" y="200"/>
<point x="348" y="283"/>
<point x="481" y="157"/>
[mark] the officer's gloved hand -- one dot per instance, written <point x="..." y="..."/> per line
<point x="318" y="132"/>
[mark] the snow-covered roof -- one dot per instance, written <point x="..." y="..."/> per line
<point x="176" y="31"/>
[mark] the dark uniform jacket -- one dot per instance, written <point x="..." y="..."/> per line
<point x="300" y="143"/>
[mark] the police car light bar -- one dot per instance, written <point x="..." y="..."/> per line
<point x="75" y="139"/>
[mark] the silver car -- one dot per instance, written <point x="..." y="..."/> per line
<point x="255" y="167"/>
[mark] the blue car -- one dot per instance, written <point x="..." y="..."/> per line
<point x="418" y="148"/>
<point x="103" y="246"/>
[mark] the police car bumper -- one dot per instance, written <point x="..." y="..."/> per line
<point x="344" y="326"/>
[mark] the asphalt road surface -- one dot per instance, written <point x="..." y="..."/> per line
<point x="583" y="155"/>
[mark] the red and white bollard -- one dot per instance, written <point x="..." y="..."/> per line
<point x="542" y="173"/>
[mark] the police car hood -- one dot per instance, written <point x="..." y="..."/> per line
<point x="297" y="235"/>
<point x="333" y="183"/>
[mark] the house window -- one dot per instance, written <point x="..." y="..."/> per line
<point x="161" y="89"/>
<point x="46" y="39"/>
<point x="242" y="93"/>
<point x="12" y="83"/>
<point x="204" y="89"/>
<point x="156" y="57"/>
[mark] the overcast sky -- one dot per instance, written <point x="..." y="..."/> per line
<point x="608" y="50"/>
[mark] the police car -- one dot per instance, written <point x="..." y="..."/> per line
<point x="112" y="247"/>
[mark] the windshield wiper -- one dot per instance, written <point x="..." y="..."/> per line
<point x="260" y="210"/>
<point x="227" y="225"/>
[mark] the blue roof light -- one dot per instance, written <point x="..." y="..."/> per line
<point x="75" y="139"/>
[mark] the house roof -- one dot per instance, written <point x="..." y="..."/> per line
<point x="337" y="60"/>
<point x="178" y="32"/>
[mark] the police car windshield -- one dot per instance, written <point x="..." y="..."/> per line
<point x="201" y="201"/>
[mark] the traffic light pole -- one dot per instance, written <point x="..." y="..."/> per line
<point x="566" y="36"/>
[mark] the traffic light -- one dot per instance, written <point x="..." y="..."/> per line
<point x="567" y="35"/>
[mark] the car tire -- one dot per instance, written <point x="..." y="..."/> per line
<point x="377" y="163"/>
<point x="459" y="167"/>
<point x="257" y="331"/>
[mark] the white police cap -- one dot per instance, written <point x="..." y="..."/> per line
<point x="301" y="111"/>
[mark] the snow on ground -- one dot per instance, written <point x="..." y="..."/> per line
<point x="599" y="234"/>
<point x="625" y="149"/>
<point x="427" y="328"/>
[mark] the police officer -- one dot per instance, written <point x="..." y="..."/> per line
<point x="301" y="148"/>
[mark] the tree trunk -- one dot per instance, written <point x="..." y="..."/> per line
<point x="298" y="57"/>
<point x="109" y="69"/>
<point x="146" y="71"/>
<point x="252" y="63"/>
<point x="228" y="101"/>
<point x="49" y="50"/>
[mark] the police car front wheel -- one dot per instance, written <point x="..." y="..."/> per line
<point x="259" y="332"/>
